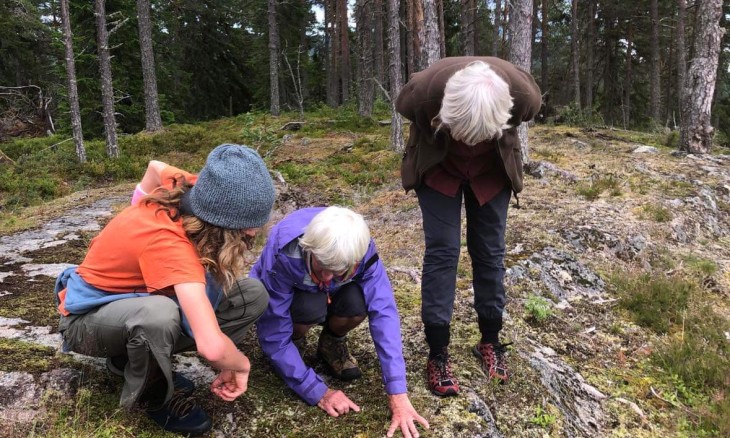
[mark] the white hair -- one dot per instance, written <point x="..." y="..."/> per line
<point x="337" y="237"/>
<point x="476" y="104"/>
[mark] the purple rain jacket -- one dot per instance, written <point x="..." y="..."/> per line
<point x="281" y="268"/>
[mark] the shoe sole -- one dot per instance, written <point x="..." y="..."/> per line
<point x="356" y="375"/>
<point x="448" y="393"/>
<point x="478" y="355"/>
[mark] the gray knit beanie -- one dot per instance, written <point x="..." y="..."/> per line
<point x="234" y="190"/>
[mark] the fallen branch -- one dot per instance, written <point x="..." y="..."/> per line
<point x="5" y="159"/>
<point x="410" y="271"/>
<point x="634" y="407"/>
<point x="292" y="126"/>
<point x="672" y="403"/>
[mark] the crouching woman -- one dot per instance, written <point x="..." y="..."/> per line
<point x="165" y="276"/>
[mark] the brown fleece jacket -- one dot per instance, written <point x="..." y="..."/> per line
<point x="420" y="101"/>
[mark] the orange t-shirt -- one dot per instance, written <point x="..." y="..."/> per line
<point x="143" y="250"/>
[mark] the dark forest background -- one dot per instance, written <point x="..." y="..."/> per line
<point x="212" y="58"/>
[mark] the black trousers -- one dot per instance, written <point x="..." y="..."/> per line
<point x="312" y="307"/>
<point x="485" y="229"/>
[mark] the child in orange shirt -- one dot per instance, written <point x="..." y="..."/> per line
<point x="166" y="275"/>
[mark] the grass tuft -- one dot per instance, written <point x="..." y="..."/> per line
<point x="656" y="302"/>
<point x="538" y="308"/>
<point x="695" y="355"/>
<point x="657" y="213"/>
<point x="596" y="186"/>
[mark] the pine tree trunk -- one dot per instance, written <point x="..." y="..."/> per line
<point x="442" y="27"/>
<point x="521" y="53"/>
<point x="415" y="35"/>
<point x="302" y="74"/>
<point x="589" y="56"/>
<point x="153" y="121"/>
<point x="544" y="34"/>
<point x="474" y="23"/>
<point x="344" y="48"/>
<point x="273" y="58"/>
<point x="467" y="28"/>
<point x="534" y="24"/>
<point x="629" y="79"/>
<point x="366" y="88"/>
<point x="681" y="54"/>
<point x="331" y="44"/>
<point x="697" y="130"/>
<point x="575" y="52"/>
<point x="497" y="23"/>
<point x="379" y="43"/>
<point x="670" y="80"/>
<point x="610" y="91"/>
<point x="396" y="81"/>
<point x="105" y="69"/>
<point x="654" y="81"/>
<point x="431" y="34"/>
<point x="73" y="93"/>
<point x="506" y="18"/>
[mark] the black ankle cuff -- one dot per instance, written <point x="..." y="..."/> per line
<point x="490" y="328"/>
<point x="437" y="338"/>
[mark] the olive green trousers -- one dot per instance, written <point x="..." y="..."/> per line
<point x="147" y="331"/>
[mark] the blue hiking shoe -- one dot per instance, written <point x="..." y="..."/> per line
<point x="181" y="415"/>
<point x="182" y="384"/>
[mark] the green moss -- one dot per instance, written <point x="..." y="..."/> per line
<point x="20" y="355"/>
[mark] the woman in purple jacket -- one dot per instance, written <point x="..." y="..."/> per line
<point x="320" y="266"/>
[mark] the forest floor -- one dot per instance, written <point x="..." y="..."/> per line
<point x="601" y="225"/>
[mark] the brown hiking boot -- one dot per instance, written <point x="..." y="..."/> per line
<point x="492" y="358"/>
<point x="334" y="352"/>
<point x="439" y="377"/>
<point x="301" y="344"/>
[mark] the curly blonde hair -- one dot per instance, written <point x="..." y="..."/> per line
<point x="222" y="251"/>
